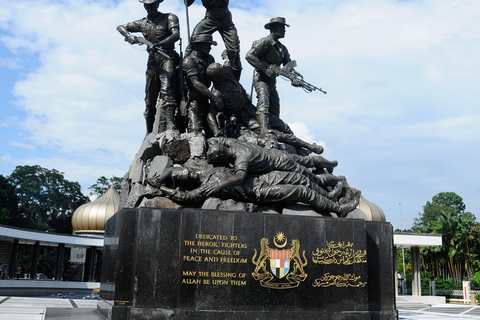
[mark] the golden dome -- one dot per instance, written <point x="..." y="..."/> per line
<point x="91" y="217"/>
<point x="371" y="210"/>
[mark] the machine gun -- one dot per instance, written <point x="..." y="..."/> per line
<point x="288" y="73"/>
<point x="151" y="45"/>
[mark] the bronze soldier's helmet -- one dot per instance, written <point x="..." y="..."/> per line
<point x="149" y="1"/>
<point x="280" y="20"/>
<point x="204" y="37"/>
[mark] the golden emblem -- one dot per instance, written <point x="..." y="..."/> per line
<point x="279" y="269"/>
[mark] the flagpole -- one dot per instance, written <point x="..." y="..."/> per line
<point x="188" y="20"/>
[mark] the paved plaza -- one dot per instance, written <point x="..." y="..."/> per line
<point x="21" y="308"/>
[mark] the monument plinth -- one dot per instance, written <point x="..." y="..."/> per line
<point x="202" y="264"/>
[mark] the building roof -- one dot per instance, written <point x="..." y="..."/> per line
<point x="407" y="239"/>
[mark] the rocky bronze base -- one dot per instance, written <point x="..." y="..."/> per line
<point x="201" y="264"/>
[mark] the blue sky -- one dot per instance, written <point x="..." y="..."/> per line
<point x="401" y="114"/>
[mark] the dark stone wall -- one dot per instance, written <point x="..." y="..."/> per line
<point x="200" y="264"/>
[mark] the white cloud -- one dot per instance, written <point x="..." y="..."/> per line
<point x="400" y="115"/>
<point x="22" y="145"/>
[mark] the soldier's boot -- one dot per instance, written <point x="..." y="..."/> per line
<point x="287" y="130"/>
<point x="213" y="125"/>
<point x="320" y="162"/>
<point x="169" y="111"/>
<point x="315" y="148"/>
<point x="149" y="126"/>
<point x="150" y="119"/>
<point x="195" y="124"/>
<point x="322" y="204"/>
<point x="335" y="191"/>
<point x="350" y="205"/>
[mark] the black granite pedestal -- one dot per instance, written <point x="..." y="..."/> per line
<point x="199" y="264"/>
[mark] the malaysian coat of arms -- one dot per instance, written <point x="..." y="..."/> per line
<point x="279" y="268"/>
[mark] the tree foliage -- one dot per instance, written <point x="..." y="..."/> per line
<point x="8" y="202"/>
<point x="444" y="202"/>
<point x="46" y="200"/>
<point x="101" y="186"/>
<point x="456" y="258"/>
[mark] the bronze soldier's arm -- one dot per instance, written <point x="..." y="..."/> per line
<point x="175" y="36"/>
<point x="260" y="65"/>
<point x="124" y="32"/>
<point x="252" y="58"/>
<point x="235" y="180"/>
<point x="203" y="90"/>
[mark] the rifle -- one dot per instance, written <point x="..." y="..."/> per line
<point x="152" y="46"/>
<point x="288" y="73"/>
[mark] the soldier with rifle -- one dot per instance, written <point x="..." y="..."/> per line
<point x="160" y="32"/>
<point x="266" y="56"/>
<point x="237" y="103"/>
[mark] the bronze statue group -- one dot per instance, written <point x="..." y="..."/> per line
<point x="248" y="154"/>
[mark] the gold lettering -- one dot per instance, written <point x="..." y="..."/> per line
<point x="337" y="280"/>
<point x="190" y="281"/>
<point x="339" y="253"/>
<point x="211" y="259"/>
<point x="207" y="244"/>
<point x="238" y="282"/>
<point x="222" y="252"/>
<point x="223" y="274"/>
<point x="192" y="258"/>
<point x="211" y="236"/>
<point x="234" y="245"/>
<point x="232" y="260"/>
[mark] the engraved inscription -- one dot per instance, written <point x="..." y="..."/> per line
<point x="211" y="249"/>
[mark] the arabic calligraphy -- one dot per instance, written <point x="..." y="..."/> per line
<point x="345" y="280"/>
<point x="339" y="253"/>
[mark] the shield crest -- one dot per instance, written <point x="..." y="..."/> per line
<point x="280" y="262"/>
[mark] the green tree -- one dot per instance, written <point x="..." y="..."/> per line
<point x="8" y="202"/>
<point x="457" y="257"/>
<point x="443" y="202"/>
<point x="101" y="186"/>
<point x="46" y="200"/>
<point x="46" y="260"/>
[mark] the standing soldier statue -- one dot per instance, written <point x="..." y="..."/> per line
<point x="160" y="32"/>
<point x="219" y="18"/>
<point x="264" y="55"/>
